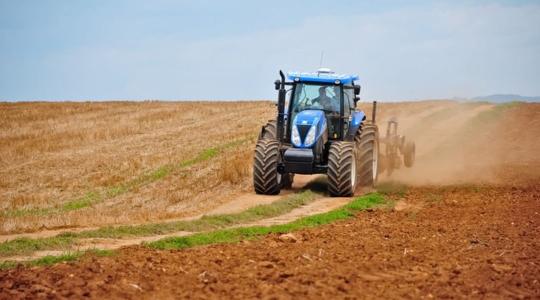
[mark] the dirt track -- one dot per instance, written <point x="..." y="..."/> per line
<point x="443" y="242"/>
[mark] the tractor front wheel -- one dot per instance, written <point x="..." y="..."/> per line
<point x="266" y="178"/>
<point x="342" y="171"/>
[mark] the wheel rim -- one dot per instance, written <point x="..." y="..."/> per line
<point x="353" y="173"/>
<point x="375" y="161"/>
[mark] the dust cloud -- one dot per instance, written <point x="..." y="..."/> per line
<point x="466" y="143"/>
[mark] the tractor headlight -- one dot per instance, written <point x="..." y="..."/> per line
<point x="295" y="137"/>
<point x="310" y="137"/>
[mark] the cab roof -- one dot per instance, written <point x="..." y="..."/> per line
<point x="322" y="76"/>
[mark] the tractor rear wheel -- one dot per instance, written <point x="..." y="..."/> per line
<point x="266" y="178"/>
<point x="342" y="172"/>
<point x="409" y="154"/>
<point x="367" y="143"/>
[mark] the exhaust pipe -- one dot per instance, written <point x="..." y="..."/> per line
<point x="281" y="107"/>
<point x="374" y="112"/>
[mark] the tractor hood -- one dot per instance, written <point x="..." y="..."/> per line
<point x="308" y="126"/>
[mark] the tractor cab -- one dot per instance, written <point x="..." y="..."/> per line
<point x="321" y="104"/>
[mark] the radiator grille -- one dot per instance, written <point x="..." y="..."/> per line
<point x="303" y="130"/>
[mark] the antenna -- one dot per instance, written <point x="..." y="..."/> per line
<point x="320" y="62"/>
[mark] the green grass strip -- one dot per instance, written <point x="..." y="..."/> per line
<point x="94" y="197"/>
<point x="23" y="246"/>
<point x="238" y="234"/>
<point x="87" y="200"/>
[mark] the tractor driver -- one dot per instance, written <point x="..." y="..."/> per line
<point x="326" y="102"/>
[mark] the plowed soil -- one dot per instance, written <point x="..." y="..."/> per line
<point x="463" y="242"/>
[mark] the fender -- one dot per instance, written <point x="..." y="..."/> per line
<point x="356" y="120"/>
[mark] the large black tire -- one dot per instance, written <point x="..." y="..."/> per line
<point x="270" y="130"/>
<point x="409" y="154"/>
<point x="266" y="179"/>
<point x="342" y="172"/>
<point x="367" y="143"/>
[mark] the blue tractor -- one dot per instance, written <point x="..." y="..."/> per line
<point x="318" y="130"/>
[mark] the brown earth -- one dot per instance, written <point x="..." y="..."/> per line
<point x="452" y="242"/>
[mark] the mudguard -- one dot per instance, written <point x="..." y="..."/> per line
<point x="356" y="120"/>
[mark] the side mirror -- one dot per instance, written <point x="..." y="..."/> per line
<point x="277" y="83"/>
<point x="357" y="90"/>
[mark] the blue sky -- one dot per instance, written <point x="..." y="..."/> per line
<point x="197" y="50"/>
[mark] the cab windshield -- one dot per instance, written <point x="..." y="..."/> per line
<point x="319" y="97"/>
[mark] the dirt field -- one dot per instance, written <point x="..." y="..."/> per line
<point x="466" y="225"/>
